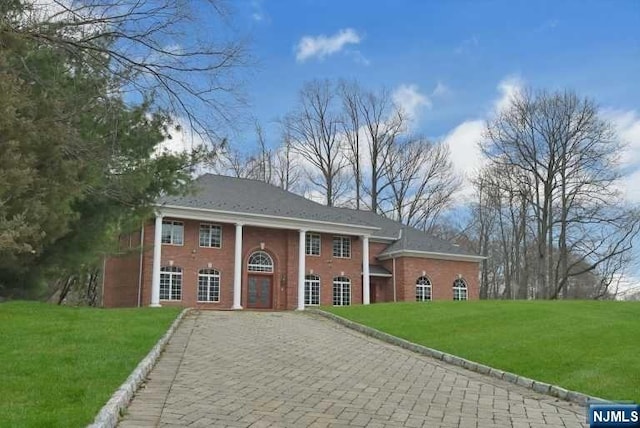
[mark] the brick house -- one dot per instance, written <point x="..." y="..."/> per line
<point x="237" y="243"/>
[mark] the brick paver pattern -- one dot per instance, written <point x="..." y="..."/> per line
<point x="288" y="369"/>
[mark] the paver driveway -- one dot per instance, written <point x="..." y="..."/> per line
<point x="259" y="369"/>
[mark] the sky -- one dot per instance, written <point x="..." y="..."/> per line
<point x="451" y="64"/>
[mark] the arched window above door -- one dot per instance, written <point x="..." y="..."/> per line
<point x="260" y="262"/>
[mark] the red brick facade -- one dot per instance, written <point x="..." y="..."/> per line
<point x="122" y="279"/>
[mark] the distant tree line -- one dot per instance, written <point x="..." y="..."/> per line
<point x="548" y="213"/>
<point x="350" y="146"/>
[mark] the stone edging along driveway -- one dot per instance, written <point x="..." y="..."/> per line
<point x="540" y="387"/>
<point x="110" y="413"/>
<point x="108" y="416"/>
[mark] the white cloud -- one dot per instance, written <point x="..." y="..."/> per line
<point x="55" y="10"/>
<point x="322" y="45"/>
<point x="631" y="188"/>
<point x="463" y="139"/>
<point x="183" y="138"/>
<point x="410" y="100"/>
<point x="627" y="127"/>
<point x="465" y="153"/>
<point x="509" y="88"/>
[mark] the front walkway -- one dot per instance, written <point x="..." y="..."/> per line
<point x="286" y="369"/>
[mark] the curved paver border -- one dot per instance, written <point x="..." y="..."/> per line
<point x="537" y="386"/>
<point x="110" y="414"/>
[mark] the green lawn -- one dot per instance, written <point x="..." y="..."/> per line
<point x="587" y="346"/>
<point x="60" y="365"/>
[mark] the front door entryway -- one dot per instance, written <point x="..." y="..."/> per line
<point x="259" y="292"/>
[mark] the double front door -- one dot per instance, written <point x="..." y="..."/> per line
<point x="259" y="292"/>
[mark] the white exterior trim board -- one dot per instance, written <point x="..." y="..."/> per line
<point x="431" y="255"/>
<point x="260" y="220"/>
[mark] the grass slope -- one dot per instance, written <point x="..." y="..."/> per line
<point x="60" y="365"/>
<point x="587" y="346"/>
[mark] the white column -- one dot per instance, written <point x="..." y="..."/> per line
<point x="365" y="271"/>
<point x="237" y="268"/>
<point x="301" y="268"/>
<point x="157" y="255"/>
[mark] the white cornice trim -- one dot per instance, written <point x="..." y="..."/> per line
<point x="261" y="220"/>
<point x="431" y="255"/>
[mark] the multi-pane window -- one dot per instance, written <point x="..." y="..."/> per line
<point x="260" y="262"/>
<point x="459" y="289"/>
<point x="312" y="244"/>
<point x="341" y="291"/>
<point x="170" y="283"/>
<point x="342" y="246"/>
<point x="423" y="289"/>
<point x="208" y="285"/>
<point x="172" y="232"/>
<point x="312" y="290"/>
<point x="210" y="235"/>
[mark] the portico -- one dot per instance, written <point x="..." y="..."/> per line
<point x="285" y="285"/>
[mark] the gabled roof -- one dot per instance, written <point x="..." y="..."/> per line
<point x="219" y="193"/>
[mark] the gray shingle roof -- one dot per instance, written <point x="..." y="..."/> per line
<point x="377" y="270"/>
<point x="230" y="194"/>
<point x="388" y="228"/>
<point x="217" y="192"/>
<point x="417" y="240"/>
<point x="411" y="240"/>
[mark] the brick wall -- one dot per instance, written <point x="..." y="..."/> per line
<point x="192" y="258"/>
<point x="281" y="245"/>
<point x="121" y="274"/>
<point x="327" y="267"/>
<point x="442" y="273"/>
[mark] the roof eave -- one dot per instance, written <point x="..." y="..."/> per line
<point x="431" y="255"/>
<point x="383" y="239"/>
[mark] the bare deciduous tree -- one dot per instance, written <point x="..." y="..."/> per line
<point x="421" y="181"/>
<point x="287" y="172"/>
<point x="314" y="128"/>
<point x="554" y="163"/>
<point x="351" y="123"/>
<point x="371" y="125"/>
<point x="149" y="48"/>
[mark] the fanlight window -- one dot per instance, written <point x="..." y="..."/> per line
<point x="260" y="262"/>
<point x="423" y="289"/>
<point x="459" y="289"/>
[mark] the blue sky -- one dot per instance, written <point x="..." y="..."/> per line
<point x="455" y="61"/>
